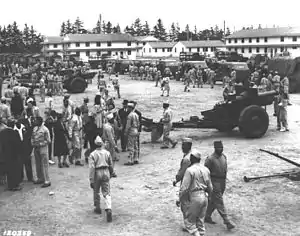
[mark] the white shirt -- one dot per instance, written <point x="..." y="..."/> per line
<point x="20" y="131"/>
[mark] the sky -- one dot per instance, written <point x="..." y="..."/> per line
<point x="47" y="16"/>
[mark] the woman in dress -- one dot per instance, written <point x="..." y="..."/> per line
<point x="60" y="141"/>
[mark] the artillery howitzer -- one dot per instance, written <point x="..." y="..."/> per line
<point x="244" y="109"/>
<point x="293" y="175"/>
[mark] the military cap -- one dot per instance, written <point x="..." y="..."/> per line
<point x="218" y="144"/>
<point x="166" y="104"/>
<point x="130" y="105"/>
<point x="30" y="100"/>
<point x="98" y="94"/>
<point x="187" y="140"/>
<point x="125" y="102"/>
<point x="195" y="153"/>
<point x="98" y="141"/>
<point x="276" y="72"/>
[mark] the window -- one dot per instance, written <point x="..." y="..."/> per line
<point x="108" y="44"/>
<point x="129" y="52"/>
<point x="229" y="49"/>
<point x="68" y="45"/>
<point x="198" y="49"/>
<point x="250" y="40"/>
<point x="98" y="53"/>
<point x="144" y="49"/>
<point x="77" y="53"/>
<point x="144" y="43"/>
<point x="155" y="50"/>
<point x="149" y="49"/>
<point x="182" y="49"/>
<point x="116" y="53"/>
<point x="55" y="54"/>
<point x="212" y="49"/>
<point x="295" y="39"/>
<point x="266" y="50"/>
<point x="77" y="45"/>
<point x="137" y="43"/>
<point x="281" y="39"/>
<point x="190" y="50"/>
<point x="128" y="44"/>
<point x="236" y="49"/>
<point x="266" y="39"/>
<point x="205" y="49"/>
<point x="229" y="40"/>
<point x="243" y="40"/>
<point x="243" y="50"/>
<point x="163" y="50"/>
<point x="98" y="44"/>
<point x="175" y="49"/>
<point x="55" y="45"/>
<point x="257" y="40"/>
<point x="257" y="50"/>
<point x="87" y="53"/>
<point x="87" y="44"/>
<point x="250" y="50"/>
<point x="275" y="50"/>
<point x="281" y="49"/>
<point x="235" y="40"/>
<point x="294" y="47"/>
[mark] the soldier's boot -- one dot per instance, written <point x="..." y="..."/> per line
<point x="97" y="210"/>
<point x="230" y="226"/>
<point x="209" y="220"/>
<point x="108" y="215"/>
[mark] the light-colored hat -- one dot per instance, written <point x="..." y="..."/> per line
<point x="109" y="116"/>
<point x="3" y="99"/>
<point x="98" y="141"/>
<point x="98" y="93"/>
<point x="196" y="154"/>
<point x="187" y="140"/>
<point x="30" y="100"/>
<point x="130" y="105"/>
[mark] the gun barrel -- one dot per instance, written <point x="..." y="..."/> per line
<point x="268" y="93"/>
<point x="281" y="157"/>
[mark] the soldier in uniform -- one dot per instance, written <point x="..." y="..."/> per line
<point x="42" y="88"/>
<point x="117" y="85"/>
<point x="4" y="111"/>
<point x="270" y="78"/>
<point x="8" y="94"/>
<point x="135" y="72"/>
<point x="147" y="72"/>
<point x="165" y="86"/>
<point x="192" y="76"/>
<point x="131" y="131"/>
<point x="167" y="126"/>
<point x="139" y="129"/>
<point x="185" y="163"/>
<point x="123" y="114"/>
<point x="142" y="72"/>
<point x="109" y="139"/>
<point x="196" y="186"/>
<point x="285" y="83"/>
<point x="100" y="170"/>
<point x="150" y="76"/>
<point x="282" y="122"/>
<point x="157" y="77"/>
<point x="40" y="139"/>
<point x="229" y="89"/>
<point x="75" y="135"/>
<point x="263" y="84"/>
<point x="276" y="87"/>
<point x="211" y="78"/>
<point x="217" y="165"/>
<point x="199" y="77"/>
<point x="233" y="75"/>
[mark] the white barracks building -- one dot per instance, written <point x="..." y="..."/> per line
<point x="92" y="45"/>
<point x="270" y="41"/>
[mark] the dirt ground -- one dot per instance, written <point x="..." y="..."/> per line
<point x="143" y="198"/>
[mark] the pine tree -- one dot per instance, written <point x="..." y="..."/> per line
<point x="173" y="33"/>
<point x="104" y="27"/>
<point x="146" y="29"/>
<point x="137" y="26"/>
<point x="117" y="29"/>
<point x="129" y="30"/>
<point x="78" y="26"/>
<point x="109" y="28"/>
<point x="26" y="36"/>
<point x="97" y="29"/>
<point x="160" y="31"/>
<point x="69" y="27"/>
<point x="62" y="29"/>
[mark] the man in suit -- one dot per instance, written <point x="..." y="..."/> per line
<point x="123" y="113"/>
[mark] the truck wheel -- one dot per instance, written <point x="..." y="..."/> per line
<point x="253" y="121"/>
<point x="78" y="85"/>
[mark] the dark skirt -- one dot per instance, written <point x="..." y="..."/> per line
<point x="60" y="140"/>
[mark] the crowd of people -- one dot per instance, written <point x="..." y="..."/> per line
<point x="98" y="128"/>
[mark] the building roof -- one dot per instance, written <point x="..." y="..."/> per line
<point x="53" y="39"/>
<point x="266" y="32"/>
<point x="162" y="44"/>
<point x="148" y="38"/>
<point x="203" y="43"/>
<point x="99" y="38"/>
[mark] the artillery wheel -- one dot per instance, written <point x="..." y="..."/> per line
<point x="253" y="121"/>
<point x="78" y="85"/>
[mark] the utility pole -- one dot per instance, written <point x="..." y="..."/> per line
<point x="224" y="29"/>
